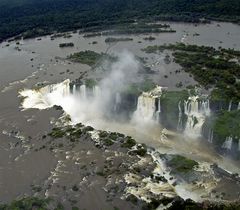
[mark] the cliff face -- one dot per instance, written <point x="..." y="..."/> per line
<point x="223" y="130"/>
<point x="200" y="116"/>
<point x="191" y="113"/>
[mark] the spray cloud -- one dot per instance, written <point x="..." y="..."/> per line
<point x="79" y="106"/>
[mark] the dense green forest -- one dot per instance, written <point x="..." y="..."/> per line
<point x="46" y="16"/>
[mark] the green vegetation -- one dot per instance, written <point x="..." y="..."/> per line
<point x="90" y="58"/>
<point x="147" y="85"/>
<point x="71" y="132"/>
<point x="180" y="164"/>
<point x="89" y="35"/>
<point x="138" y="28"/>
<point x="141" y="150"/>
<point x="189" y="204"/>
<point x="132" y="198"/>
<point x="138" y="88"/>
<point x="75" y="188"/>
<point x="210" y="67"/>
<point x="59" y="207"/>
<point x="27" y="204"/>
<point x="170" y="107"/>
<point x="57" y="133"/>
<point x="114" y="136"/>
<point x="88" y="128"/>
<point x="86" y="57"/>
<point x="226" y="124"/>
<point x="149" y="38"/>
<point x="90" y="83"/>
<point x="128" y="28"/>
<point x="132" y="89"/>
<point x="34" y="18"/>
<point x="36" y="188"/>
<point x="107" y="138"/>
<point x="111" y="39"/>
<point x="103" y="134"/>
<point x="33" y="203"/>
<point x="64" y="35"/>
<point x="69" y="44"/>
<point x="108" y="142"/>
<point x="129" y="142"/>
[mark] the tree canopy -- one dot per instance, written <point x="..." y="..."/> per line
<point x="45" y="16"/>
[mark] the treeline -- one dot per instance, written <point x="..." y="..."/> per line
<point x="46" y="16"/>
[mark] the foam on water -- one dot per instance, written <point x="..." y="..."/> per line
<point x="196" y="111"/>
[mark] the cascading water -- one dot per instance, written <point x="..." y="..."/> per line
<point x="196" y="110"/>
<point x="230" y="106"/>
<point x="96" y="91"/>
<point x="83" y="91"/>
<point x="228" y="143"/>
<point x="238" y="108"/>
<point x="204" y="107"/>
<point x="46" y="97"/>
<point x="180" y="114"/>
<point x="74" y="89"/>
<point x="158" y="110"/>
<point x="210" y="136"/>
<point x="117" y="101"/>
<point x="146" y="106"/>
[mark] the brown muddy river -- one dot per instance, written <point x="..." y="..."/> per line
<point x="39" y="61"/>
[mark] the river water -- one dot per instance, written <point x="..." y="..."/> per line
<point x="38" y="62"/>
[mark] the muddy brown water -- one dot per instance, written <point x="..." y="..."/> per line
<point x="37" y="63"/>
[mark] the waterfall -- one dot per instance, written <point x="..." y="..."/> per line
<point x="238" y="144"/>
<point x="83" y="91"/>
<point x="159" y="105"/>
<point x="180" y="114"/>
<point x="146" y="105"/>
<point x="238" y="108"/>
<point x="118" y="98"/>
<point x="45" y="97"/>
<point x="158" y="110"/>
<point x="63" y="88"/>
<point x="228" y="143"/>
<point x="96" y="91"/>
<point x="74" y="89"/>
<point x="196" y="110"/>
<point x="210" y="136"/>
<point x="204" y="106"/>
<point x="117" y="101"/>
<point x="230" y="106"/>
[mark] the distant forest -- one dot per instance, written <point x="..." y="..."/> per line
<point x="40" y="17"/>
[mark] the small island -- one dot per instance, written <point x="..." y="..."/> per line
<point x="67" y="44"/>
